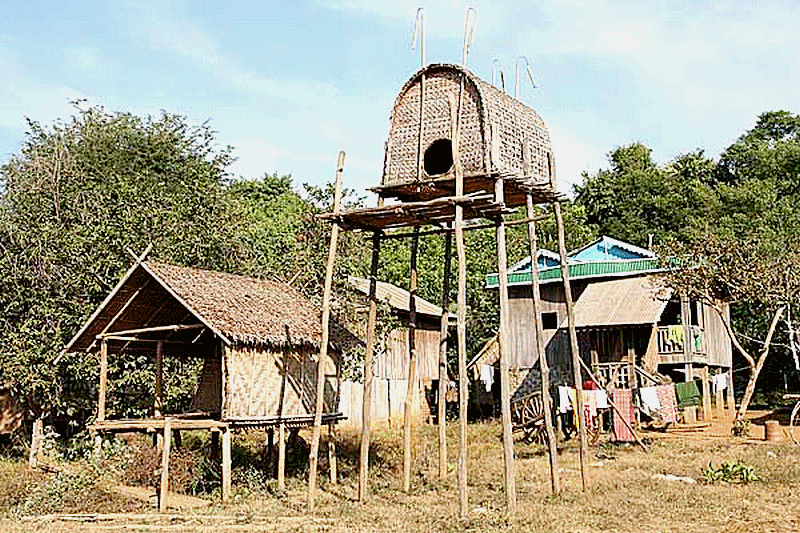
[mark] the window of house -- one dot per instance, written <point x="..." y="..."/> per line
<point x="550" y="320"/>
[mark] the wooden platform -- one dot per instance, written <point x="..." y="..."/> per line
<point x="152" y="425"/>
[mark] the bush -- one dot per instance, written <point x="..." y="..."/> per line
<point x="731" y="471"/>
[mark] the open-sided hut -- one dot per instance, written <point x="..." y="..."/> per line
<point x="259" y="341"/>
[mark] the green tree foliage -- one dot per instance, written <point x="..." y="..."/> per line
<point x="76" y="197"/>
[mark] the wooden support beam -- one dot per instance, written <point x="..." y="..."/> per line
<point x="332" y="454"/>
<point x="541" y="351"/>
<point x="226" y="465"/>
<point x="36" y="443"/>
<point x="458" y="232"/>
<point x="730" y="394"/>
<point x="369" y="353"/>
<point x="101" y="391"/>
<point x="707" y="416"/>
<point x="165" y="449"/>
<point x="573" y="343"/>
<point x="443" y="375"/>
<point x="719" y="399"/>
<point x="411" y="377"/>
<point x="281" y="456"/>
<point x="158" y="392"/>
<point x="502" y="341"/>
<point x="323" y="349"/>
<point x="153" y="329"/>
<point x="466" y="227"/>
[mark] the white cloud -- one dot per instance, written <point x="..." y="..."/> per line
<point x="163" y="31"/>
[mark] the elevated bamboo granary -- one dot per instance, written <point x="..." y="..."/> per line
<point x="458" y="149"/>
<point x="259" y="341"/>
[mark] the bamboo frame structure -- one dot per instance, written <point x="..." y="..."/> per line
<point x="411" y="382"/>
<point x="443" y="377"/>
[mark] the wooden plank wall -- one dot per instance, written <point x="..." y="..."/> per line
<point x="388" y="397"/>
<point x="392" y="365"/>
<point x="717" y="342"/>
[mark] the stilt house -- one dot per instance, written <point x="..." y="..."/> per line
<point x="628" y="325"/>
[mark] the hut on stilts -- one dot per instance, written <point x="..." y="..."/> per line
<point x="259" y="342"/>
<point x="458" y="149"/>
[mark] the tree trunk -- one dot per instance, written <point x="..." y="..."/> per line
<point x="755" y="370"/>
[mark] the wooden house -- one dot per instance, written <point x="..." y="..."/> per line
<point x="258" y="340"/>
<point x="390" y="368"/>
<point x="628" y="325"/>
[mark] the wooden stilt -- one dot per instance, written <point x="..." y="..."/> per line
<point x="332" y="453"/>
<point x="544" y="366"/>
<point x="369" y="352"/>
<point x="323" y="348"/>
<point x="719" y="400"/>
<point x="502" y="341"/>
<point x="411" y="383"/>
<point x="101" y="395"/>
<point x="36" y="443"/>
<point x="730" y="395"/>
<point x="443" y="377"/>
<point x="573" y="343"/>
<point x="706" y="395"/>
<point x="270" y="448"/>
<point x="226" y="465"/>
<point x="281" y="456"/>
<point x="158" y="388"/>
<point x="165" y="449"/>
<point x="461" y="329"/>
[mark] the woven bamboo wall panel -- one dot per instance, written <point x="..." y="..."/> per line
<point x="486" y="111"/>
<point x="258" y="387"/>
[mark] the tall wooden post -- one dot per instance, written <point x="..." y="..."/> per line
<point x="541" y="351"/>
<point x="101" y="395"/>
<point x="573" y="344"/>
<point x="502" y="341"/>
<point x="323" y="348"/>
<point x="226" y="464"/>
<point x="690" y="413"/>
<point x="706" y="395"/>
<point x="411" y="384"/>
<point x="281" y="455"/>
<point x="332" y="453"/>
<point x="719" y="399"/>
<point x="369" y="354"/>
<point x="158" y="388"/>
<point x="443" y="378"/>
<point x="458" y="232"/>
<point x="165" y="449"/>
<point x="731" y="399"/>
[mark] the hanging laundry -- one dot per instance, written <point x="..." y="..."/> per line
<point x="668" y="409"/>
<point x="590" y="407"/>
<point x="487" y="377"/>
<point x="719" y="382"/>
<point x="564" y="399"/>
<point x="623" y="399"/>
<point x="675" y="334"/>
<point x="602" y="399"/>
<point x="688" y="394"/>
<point x="649" y="397"/>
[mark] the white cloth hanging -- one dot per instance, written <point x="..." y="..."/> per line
<point x="487" y="377"/>
<point x="649" y="396"/>
<point x="719" y="382"/>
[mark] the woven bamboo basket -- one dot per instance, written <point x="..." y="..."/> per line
<point x="496" y="131"/>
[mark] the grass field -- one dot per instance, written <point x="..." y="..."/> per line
<point x="626" y="492"/>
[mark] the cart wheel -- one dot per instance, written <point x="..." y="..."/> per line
<point x="794" y="424"/>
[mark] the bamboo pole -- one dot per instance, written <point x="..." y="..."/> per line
<point x="411" y="383"/>
<point x="443" y="378"/>
<point x="502" y="341"/>
<point x="573" y="344"/>
<point x="323" y="348"/>
<point x="164" y="487"/>
<point x="226" y="465"/>
<point x="544" y="367"/>
<point x="458" y="231"/>
<point x="101" y="396"/>
<point x="470" y="227"/>
<point x="369" y="353"/>
<point x="158" y="396"/>
<point x="281" y="456"/>
<point x="332" y="453"/>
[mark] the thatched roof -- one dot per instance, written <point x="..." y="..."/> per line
<point x="238" y="309"/>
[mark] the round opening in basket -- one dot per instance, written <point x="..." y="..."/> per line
<point x="438" y="158"/>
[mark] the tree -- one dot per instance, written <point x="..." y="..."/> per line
<point x="76" y="197"/>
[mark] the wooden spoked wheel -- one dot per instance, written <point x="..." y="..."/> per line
<point x="794" y="424"/>
<point x="527" y="415"/>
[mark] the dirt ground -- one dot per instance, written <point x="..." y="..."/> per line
<point x="628" y="491"/>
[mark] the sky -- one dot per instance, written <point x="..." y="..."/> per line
<point x="289" y="83"/>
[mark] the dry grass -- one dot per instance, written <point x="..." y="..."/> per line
<point x="623" y="496"/>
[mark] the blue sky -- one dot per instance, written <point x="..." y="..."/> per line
<point x="289" y="83"/>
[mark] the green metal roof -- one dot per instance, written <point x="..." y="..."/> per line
<point x="591" y="269"/>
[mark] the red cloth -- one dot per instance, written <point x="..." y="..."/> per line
<point x="590" y="385"/>
<point x="668" y="403"/>
<point x="623" y="399"/>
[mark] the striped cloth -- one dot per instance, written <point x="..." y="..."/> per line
<point x="623" y="399"/>
<point x="668" y="404"/>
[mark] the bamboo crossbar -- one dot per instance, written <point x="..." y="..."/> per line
<point x="154" y="329"/>
<point x="442" y="231"/>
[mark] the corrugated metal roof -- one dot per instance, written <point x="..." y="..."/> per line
<point x="398" y="298"/>
<point x="619" y="302"/>
<point x="582" y="270"/>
